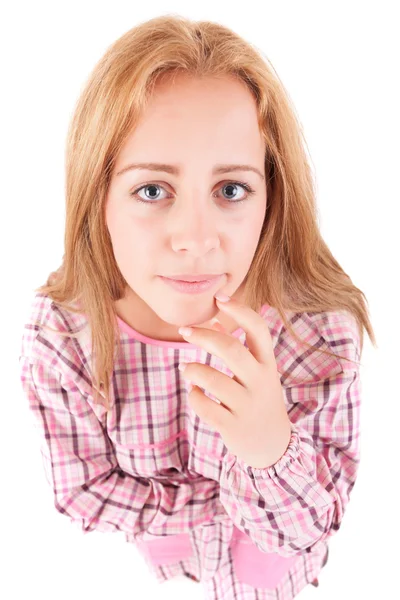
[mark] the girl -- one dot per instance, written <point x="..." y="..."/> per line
<point x="185" y="161"/>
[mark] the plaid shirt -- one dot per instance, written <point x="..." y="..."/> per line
<point x="153" y="470"/>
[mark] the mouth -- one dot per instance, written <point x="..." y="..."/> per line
<point x="192" y="287"/>
<point x="194" y="278"/>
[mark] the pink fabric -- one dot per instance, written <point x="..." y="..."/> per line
<point x="166" y="551"/>
<point x="256" y="568"/>
<point x="150" y="468"/>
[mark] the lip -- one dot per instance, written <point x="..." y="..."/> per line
<point x="198" y="277"/>
<point x="191" y="287"/>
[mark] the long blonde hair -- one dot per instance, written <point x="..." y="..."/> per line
<point x="293" y="268"/>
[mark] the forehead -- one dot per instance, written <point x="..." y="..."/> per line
<point x="203" y="116"/>
<point x="208" y="101"/>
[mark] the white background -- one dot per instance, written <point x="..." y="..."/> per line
<point x="339" y="62"/>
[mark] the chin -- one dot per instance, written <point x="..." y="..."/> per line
<point x="188" y="315"/>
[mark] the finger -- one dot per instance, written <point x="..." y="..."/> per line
<point x="229" y="392"/>
<point x="242" y="364"/>
<point x="217" y="325"/>
<point x="215" y="415"/>
<point x="258" y="337"/>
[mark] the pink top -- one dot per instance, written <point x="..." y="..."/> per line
<point x="153" y="470"/>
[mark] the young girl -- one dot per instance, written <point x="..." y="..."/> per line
<point x="185" y="162"/>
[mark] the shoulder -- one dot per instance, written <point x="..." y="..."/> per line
<point x="44" y="341"/>
<point x="340" y="331"/>
<point x="331" y="331"/>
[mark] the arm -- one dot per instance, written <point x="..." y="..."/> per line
<point x="301" y="499"/>
<point x="87" y="482"/>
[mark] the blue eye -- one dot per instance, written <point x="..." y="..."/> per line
<point x="231" y="184"/>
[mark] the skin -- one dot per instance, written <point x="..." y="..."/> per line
<point x="194" y="226"/>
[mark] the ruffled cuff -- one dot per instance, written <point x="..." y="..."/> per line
<point x="290" y="455"/>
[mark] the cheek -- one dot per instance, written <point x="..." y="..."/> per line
<point x="132" y="240"/>
<point x="244" y="244"/>
<point x="255" y="228"/>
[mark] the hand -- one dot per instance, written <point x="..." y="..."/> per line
<point x="251" y="417"/>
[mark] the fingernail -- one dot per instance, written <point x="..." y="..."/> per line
<point x="214" y="320"/>
<point x="185" y="331"/>
<point x="222" y="297"/>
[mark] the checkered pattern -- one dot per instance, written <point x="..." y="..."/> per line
<point x="151" y="468"/>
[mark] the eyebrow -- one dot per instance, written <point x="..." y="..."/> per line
<point x="174" y="170"/>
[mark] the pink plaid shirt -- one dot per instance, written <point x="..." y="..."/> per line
<point x="153" y="470"/>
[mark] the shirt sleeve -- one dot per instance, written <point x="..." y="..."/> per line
<point x="300" y="500"/>
<point x="80" y="465"/>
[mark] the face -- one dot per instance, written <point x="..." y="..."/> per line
<point x="194" y="220"/>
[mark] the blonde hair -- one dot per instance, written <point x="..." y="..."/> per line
<point x="293" y="268"/>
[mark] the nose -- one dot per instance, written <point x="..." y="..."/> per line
<point x="195" y="229"/>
